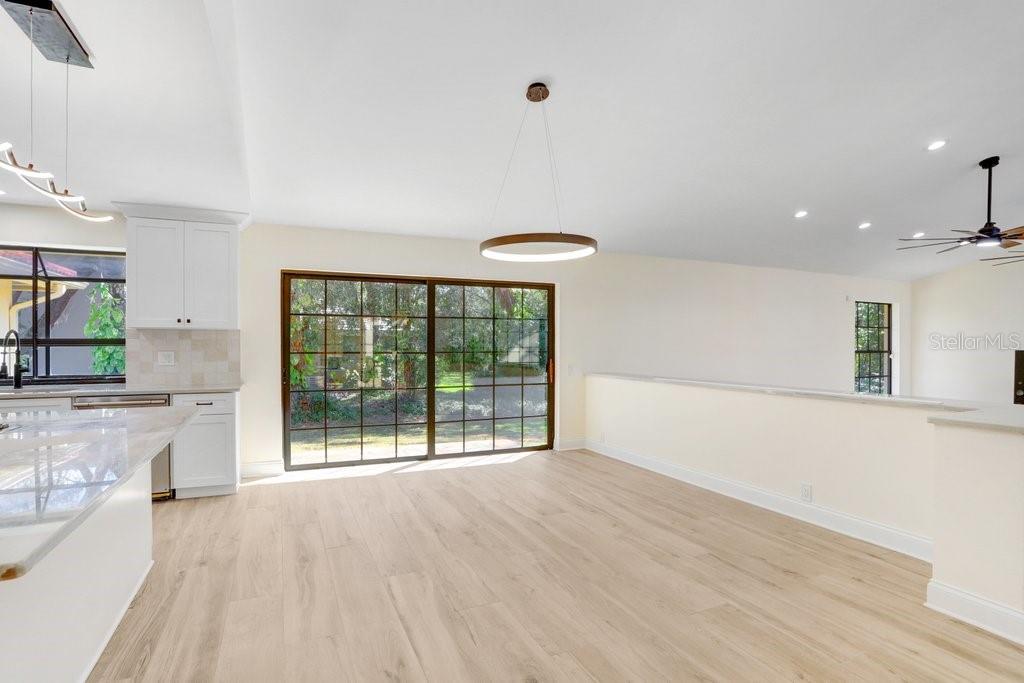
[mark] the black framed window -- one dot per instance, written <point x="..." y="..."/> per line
<point x="377" y="369"/>
<point x="873" y="354"/>
<point x="68" y="307"/>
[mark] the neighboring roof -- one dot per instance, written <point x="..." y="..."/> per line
<point x="14" y="260"/>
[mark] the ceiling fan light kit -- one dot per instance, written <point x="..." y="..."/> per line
<point x="537" y="247"/>
<point x="51" y="33"/>
<point x="989" y="235"/>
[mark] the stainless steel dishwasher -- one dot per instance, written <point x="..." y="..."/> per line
<point x="161" y="465"/>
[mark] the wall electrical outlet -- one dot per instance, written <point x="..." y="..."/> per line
<point x="807" y="493"/>
<point x="165" y="357"/>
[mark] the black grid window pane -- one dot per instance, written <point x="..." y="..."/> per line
<point x="68" y="307"/>
<point x="357" y="370"/>
<point x="379" y="369"/>
<point x="491" y="363"/>
<point x="873" y="348"/>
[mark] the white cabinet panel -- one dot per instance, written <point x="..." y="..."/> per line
<point x="203" y="454"/>
<point x="155" y="273"/>
<point x="182" y="274"/>
<point x="211" y="276"/>
<point x="208" y="404"/>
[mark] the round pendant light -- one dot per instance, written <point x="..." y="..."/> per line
<point x="537" y="246"/>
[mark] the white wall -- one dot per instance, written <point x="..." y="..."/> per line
<point x="762" y="447"/>
<point x="614" y="312"/>
<point x="701" y="320"/>
<point x="37" y="225"/>
<point x="976" y="299"/>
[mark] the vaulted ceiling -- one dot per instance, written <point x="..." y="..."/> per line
<point x="690" y="129"/>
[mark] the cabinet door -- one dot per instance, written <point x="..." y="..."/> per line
<point x="155" y="273"/>
<point x="211" y="276"/>
<point x="203" y="454"/>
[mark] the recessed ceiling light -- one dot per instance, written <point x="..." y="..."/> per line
<point x="918" y="234"/>
<point x="864" y="226"/>
<point x="2" y="193"/>
<point x="800" y="214"/>
<point x="938" y="144"/>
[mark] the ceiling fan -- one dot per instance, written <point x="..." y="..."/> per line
<point x="989" y="235"/>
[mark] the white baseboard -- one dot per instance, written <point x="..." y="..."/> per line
<point x="204" y="491"/>
<point x="975" y="610"/>
<point x="841" y="522"/>
<point x="266" y="468"/>
<point x="117" y="622"/>
<point x="569" y="444"/>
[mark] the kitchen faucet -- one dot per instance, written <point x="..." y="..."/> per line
<point x="17" y="358"/>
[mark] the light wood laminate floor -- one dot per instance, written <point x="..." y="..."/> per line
<point x="555" y="566"/>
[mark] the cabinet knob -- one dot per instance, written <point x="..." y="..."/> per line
<point x="179" y="320"/>
<point x="188" y="320"/>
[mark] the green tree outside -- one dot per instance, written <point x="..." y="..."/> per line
<point x="106" y="321"/>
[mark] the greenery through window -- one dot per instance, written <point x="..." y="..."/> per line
<point x="384" y="369"/>
<point x="873" y="355"/>
<point x="68" y="307"/>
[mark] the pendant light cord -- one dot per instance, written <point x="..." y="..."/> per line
<point x="555" y="185"/>
<point x="31" y="89"/>
<point x="508" y="167"/>
<point x="67" y="120"/>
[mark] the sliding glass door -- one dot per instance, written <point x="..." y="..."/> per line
<point x="491" y="358"/>
<point x="379" y="369"/>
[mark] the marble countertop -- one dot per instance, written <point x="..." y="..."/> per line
<point x="1000" y="417"/>
<point x="72" y="390"/>
<point x="57" y="467"/>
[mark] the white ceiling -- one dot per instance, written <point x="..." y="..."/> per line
<point x="692" y="129"/>
<point x="149" y="123"/>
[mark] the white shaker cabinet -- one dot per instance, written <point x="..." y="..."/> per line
<point x="204" y="455"/>
<point x="156" y="276"/>
<point x="182" y="274"/>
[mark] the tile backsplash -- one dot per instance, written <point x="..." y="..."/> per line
<point x="201" y="357"/>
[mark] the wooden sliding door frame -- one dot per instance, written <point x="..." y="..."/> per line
<point x="287" y="275"/>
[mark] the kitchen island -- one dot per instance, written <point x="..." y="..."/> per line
<point x="75" y="531"/>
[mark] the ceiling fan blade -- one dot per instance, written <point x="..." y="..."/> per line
<point x="966" y="232"/>
<point x="1014" y="232"/>
<point x="1006" y="263"/>
<point x="955" y="246"/>
<point x="928" y="239"/>
<point x="1016" y="254"/>
<point x="1008" y="244"/>
<point x="918" y="246"/>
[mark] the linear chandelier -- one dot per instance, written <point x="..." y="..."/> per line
<point x="537" y="246"/>
<point x="73" y="204"/>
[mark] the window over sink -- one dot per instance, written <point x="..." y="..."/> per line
<point x="68" y="307"/>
